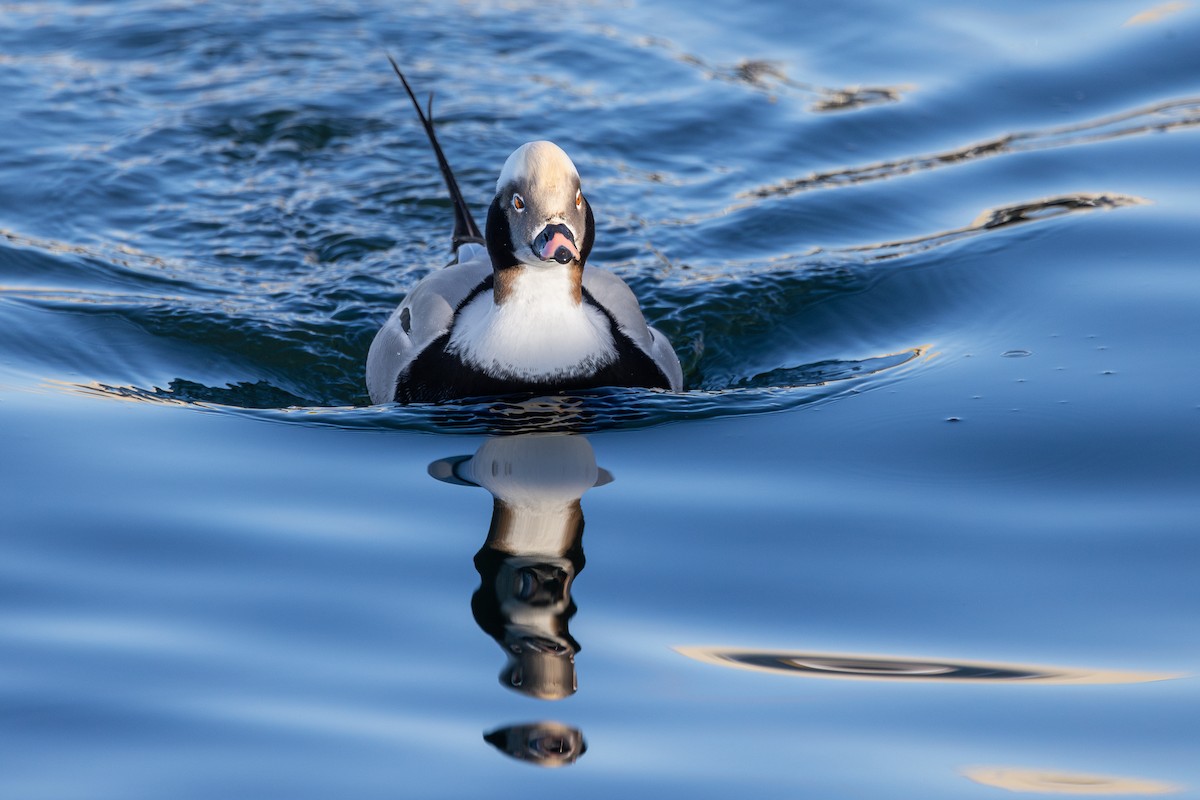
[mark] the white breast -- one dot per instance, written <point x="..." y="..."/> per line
<point x="538" y="333"/>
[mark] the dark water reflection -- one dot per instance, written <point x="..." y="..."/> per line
<point x="534" y="552"/>
<point x="885" y="668"/>
<point x="527" y="565"/>
<point x="543" y="744"/>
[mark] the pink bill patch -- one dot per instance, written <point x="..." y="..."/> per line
<point x="557" y="241"/>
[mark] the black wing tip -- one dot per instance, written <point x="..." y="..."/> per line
<point x="465" y="229"/>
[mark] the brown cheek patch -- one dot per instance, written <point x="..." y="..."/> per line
<point x="576" y="282"/>
<point x="504" y="281"/>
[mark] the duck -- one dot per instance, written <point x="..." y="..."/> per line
<point x="518" y="310"/>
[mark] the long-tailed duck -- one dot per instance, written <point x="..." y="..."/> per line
<point x="518" y="310"/>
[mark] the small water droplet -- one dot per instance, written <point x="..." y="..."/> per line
<point x="1015" y="354"/>
<point x="1108" y="372"/>
<point x="953" y="419"/>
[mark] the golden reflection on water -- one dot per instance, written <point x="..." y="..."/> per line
<point x="856" y="666"/>
<point x="1156" y="14"/>
<point x="1054" y="782"/>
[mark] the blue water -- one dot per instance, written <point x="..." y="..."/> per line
<point x="923" y="525"/>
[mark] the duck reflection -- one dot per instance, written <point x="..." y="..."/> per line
<point x="533" y="551"/>
<point x="546" y="744"/>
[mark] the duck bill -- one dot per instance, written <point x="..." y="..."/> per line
<point x="556" y="243"/>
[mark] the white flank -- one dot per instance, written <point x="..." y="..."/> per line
<point x="538" y="333"/>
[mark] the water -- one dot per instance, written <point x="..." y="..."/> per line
<point x="924" y="524"/>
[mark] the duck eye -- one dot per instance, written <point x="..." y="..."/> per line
<point x="518" y="202"/>
<point x="578" y="198"/>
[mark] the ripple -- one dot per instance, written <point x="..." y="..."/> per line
<point x="1002" y="217"/>
<point x="768" y="76"/>
<point x="602" y="409"/>
<point x="874" y="667"/>
<point x="1159" y="118"/>
<point x="298" y="340"/>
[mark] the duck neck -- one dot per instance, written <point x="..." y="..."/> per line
<point x="533" y="326"/>
<point x="553" y="285"/>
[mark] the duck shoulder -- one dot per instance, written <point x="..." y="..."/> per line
<point x="424" y="316"/>
<point x="613" y="295"/>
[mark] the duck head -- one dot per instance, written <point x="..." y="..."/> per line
<point x="539" y="218"/>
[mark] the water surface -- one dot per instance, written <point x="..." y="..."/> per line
<point x="923" y="525"/>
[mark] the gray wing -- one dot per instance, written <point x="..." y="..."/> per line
<point x="667" y="359"/>
<point x="618" y="299"/>
<point x="425" y="315"/>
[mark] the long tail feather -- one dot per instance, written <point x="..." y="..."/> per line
<point x="465" y="229"/>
